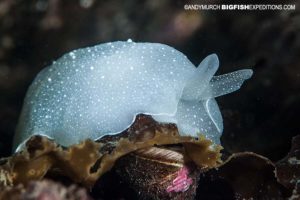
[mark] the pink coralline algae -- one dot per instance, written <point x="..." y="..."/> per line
<point x="182" y="182"/>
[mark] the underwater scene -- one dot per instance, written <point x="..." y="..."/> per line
<point x="149" y="100"/>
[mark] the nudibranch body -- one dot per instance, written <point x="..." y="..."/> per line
<point x="98" y="91"/>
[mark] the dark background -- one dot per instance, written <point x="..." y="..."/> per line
<point x="261" y="117"/>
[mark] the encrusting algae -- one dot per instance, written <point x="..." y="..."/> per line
<point x="86" y="162"/>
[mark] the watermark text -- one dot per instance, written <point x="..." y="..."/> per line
<point x="240" y="7"/>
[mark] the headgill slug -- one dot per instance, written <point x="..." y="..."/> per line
<point x="98" y="91"/>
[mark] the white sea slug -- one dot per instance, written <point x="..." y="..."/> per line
<point x="98" y="91"/>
